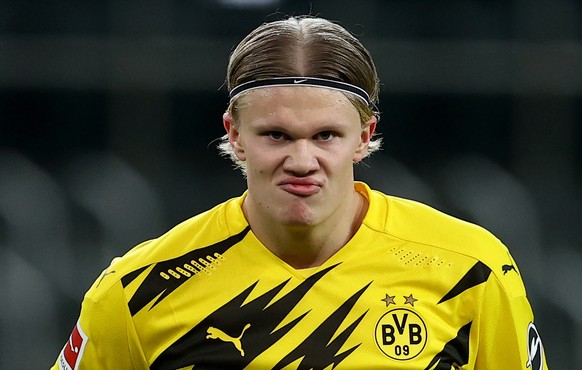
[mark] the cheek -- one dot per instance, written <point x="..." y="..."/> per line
<point x="259" y="160"/>
<point x="344" y="155"/>
<point x="337" y="165"/>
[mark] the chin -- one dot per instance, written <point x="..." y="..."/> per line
<point x="298" y="219"/>
<point x="298" y="223"/>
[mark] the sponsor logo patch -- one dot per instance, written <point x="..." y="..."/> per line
<point x="72" y="353"/>
<point x="535" y="349"/>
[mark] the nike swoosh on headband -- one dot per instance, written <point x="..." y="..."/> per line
<point x="302" y="81"/>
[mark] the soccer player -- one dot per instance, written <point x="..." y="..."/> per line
<point x="308" y="269"/>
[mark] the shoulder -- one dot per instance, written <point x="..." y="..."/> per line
<point x="420" y="223"/>
<point x="208" y="228"/>
<point x="424" y="226"/>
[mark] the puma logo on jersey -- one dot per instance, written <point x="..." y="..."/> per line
<point x="215" y="333"/>
<point x="105" y="273"/>
<point x="507" y="268"/>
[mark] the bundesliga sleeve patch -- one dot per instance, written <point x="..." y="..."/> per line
<point x="72" y="353"/>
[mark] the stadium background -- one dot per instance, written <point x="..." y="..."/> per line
<point x="109" y="109"/>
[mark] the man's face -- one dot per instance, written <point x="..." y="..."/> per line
<point x="299" y="145"/>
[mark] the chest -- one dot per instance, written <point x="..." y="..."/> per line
<point x="340" y="317"/>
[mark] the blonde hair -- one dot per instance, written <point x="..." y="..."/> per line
<point x="302" y="46"/>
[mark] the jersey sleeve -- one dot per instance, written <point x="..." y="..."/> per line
<point x="103" y="337"/>
<point x="507" y="336"/>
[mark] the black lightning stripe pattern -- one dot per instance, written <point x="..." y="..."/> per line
<point x="154" y="284"/>
<point x="262" y="318"/>
<point x="478" y="274"/>
<point x="455" y="353"/>
<point x="316" y="356"/>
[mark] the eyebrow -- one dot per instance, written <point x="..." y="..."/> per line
<point x="277" y="126"/>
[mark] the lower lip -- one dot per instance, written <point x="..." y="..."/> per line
<point x="301" y="190"/>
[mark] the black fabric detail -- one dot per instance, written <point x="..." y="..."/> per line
<point x="301" y="81"/>
<point x="478" y="274"/>
<point x="455" y="353"/>
<point x="154" y="285"/>
<point x="315" y="351"/>
<point x="261" y="316"/>
<point x="127" y="279"/>
<point x="195" y="349"/>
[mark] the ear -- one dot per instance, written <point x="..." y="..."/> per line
<point x="365" y="138"/>
<point x="233" y="136"/>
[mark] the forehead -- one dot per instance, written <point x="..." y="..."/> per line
<point x="295" y="101"/>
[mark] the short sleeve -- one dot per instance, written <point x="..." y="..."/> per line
<point x="507" y="336"/>
<point x="104" y="337"/>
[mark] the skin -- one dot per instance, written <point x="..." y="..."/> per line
<point x="299" y="145"/>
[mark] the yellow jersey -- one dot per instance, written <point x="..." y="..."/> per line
<point x="413" y="289"/>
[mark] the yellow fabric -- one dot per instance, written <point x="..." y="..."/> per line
<point x="413" y="289"/>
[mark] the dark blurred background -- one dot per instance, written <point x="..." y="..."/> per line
<point x="109" y="111"/>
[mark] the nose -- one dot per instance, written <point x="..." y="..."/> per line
<point x="301" y="158"/>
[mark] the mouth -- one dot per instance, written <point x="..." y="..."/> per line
<point x="300" y="187"/>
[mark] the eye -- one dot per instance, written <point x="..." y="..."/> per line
<point x="276" y="135"/>
<point x="326" y="135"/>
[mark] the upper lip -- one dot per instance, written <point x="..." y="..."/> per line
<point x="300" y="181"/>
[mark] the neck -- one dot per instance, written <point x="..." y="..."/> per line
<point x="307" y="246"/>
